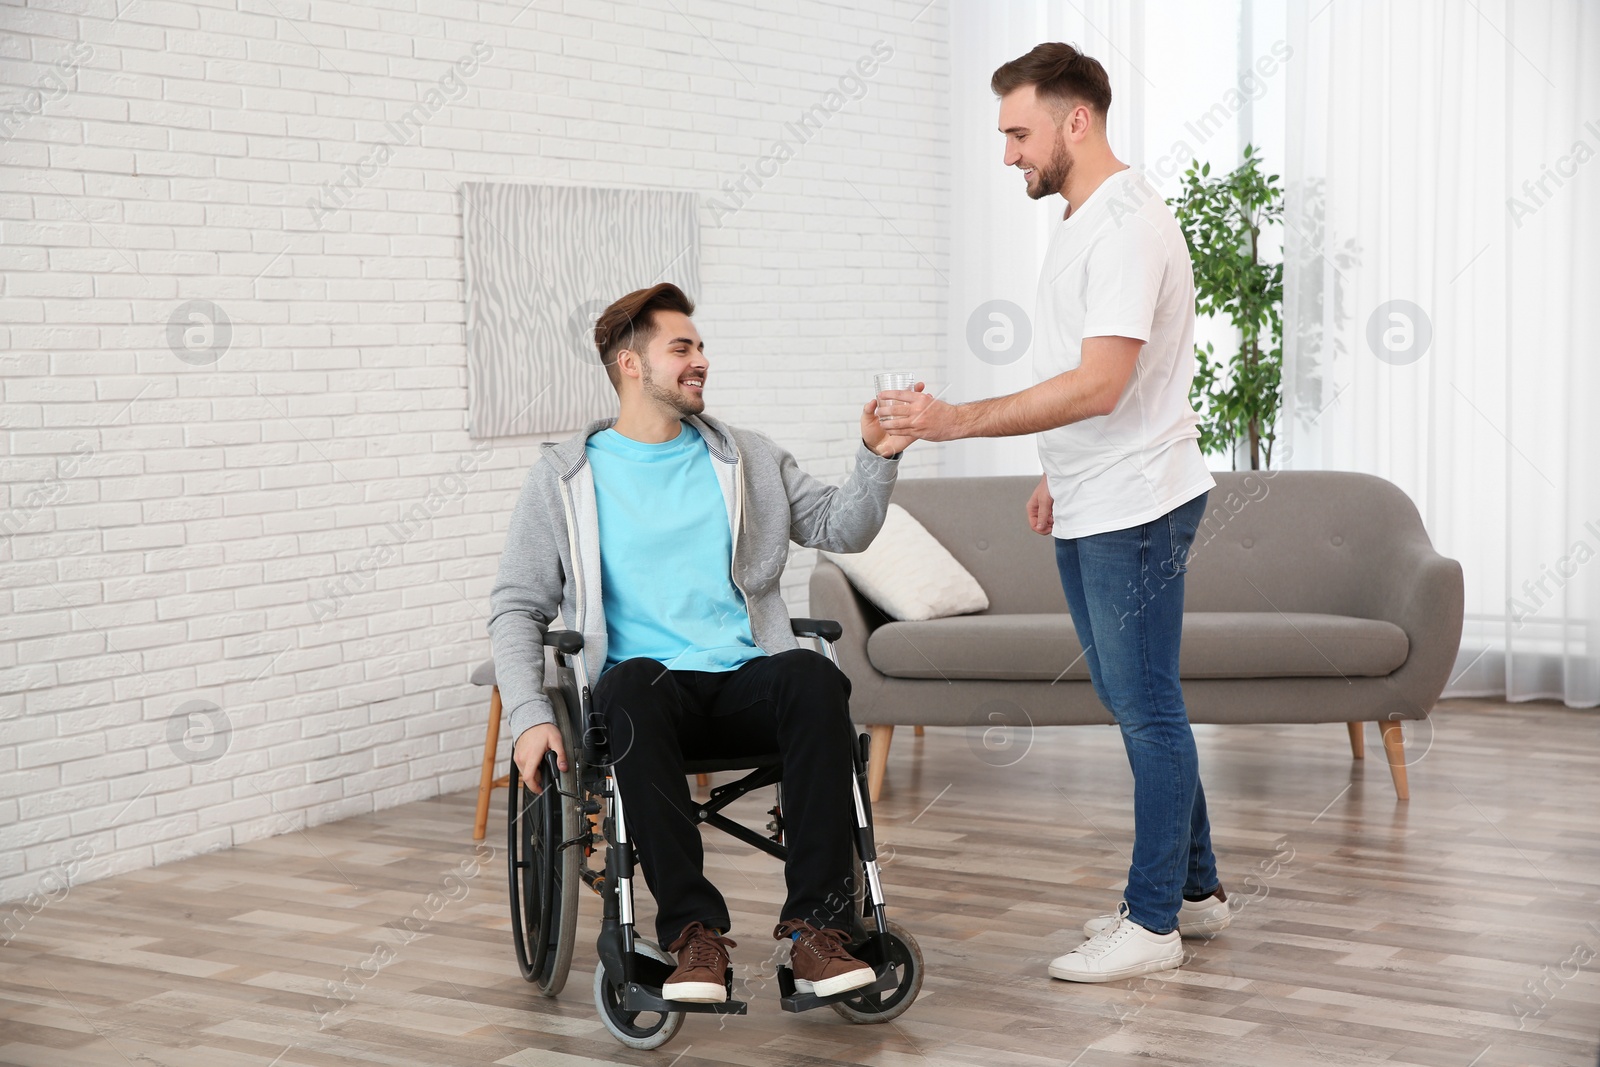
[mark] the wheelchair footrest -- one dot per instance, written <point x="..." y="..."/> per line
<point x="793" y="1000"/>
<point x="640" y="997"/>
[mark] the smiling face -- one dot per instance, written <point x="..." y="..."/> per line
<point x="1036" y="140"/>
<point x="672" y="368"/>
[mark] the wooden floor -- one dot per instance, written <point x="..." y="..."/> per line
<point x="1367" y="930"/>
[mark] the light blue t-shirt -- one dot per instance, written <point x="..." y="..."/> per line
<point x="665" y="555"/>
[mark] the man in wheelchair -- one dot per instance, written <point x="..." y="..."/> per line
<point x="661" y="537"/>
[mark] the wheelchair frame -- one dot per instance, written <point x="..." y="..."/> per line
<point x="552" y="835"/>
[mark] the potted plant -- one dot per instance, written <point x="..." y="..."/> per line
<point x="1222" y="218"/>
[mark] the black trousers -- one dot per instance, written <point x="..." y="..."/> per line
<point x="795" y="703"/>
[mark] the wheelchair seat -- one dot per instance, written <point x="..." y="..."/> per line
<point x="734" y="763"/>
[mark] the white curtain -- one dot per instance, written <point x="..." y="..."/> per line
<point x="1442" y="268"/>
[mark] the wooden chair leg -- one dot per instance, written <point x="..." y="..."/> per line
<point x="878" y="761"/>
<point x="919" y="731"/>
<point x="1358" y="743"/>
<point x="701" y="780"/>
<point x="1394" y="746"/>
<point x="491" y="749"/>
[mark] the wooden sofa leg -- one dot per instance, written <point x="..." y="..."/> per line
<point x="1358" y="743"/>
<point x="919" y="731"/>
<point x="878" y="761"/>
<point x="491" y="746"/>
<point x="1394" y="746"/>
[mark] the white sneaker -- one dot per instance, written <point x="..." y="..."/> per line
<point x="1123" y="951"/>
<point x="1196" y="918"/>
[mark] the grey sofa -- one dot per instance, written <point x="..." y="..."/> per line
<point x="1312" y="597"/>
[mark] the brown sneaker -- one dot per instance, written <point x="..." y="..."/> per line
<point x="701" y="977"/>
<point x="820" y="963"/>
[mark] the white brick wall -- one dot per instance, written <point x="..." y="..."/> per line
<point x="167" y="524"/>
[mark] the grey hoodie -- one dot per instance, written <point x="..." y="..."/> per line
<point x="551" y="561"/>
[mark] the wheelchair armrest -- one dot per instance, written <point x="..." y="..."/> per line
<point x="826" y="629"/>
<point x="567" y="642"/>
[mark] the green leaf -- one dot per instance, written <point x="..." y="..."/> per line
<point x="1222" y="220"/>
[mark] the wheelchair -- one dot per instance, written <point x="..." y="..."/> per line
<point x="553" y="837"/>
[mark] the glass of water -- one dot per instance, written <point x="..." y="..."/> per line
<point x="891" y="380"/>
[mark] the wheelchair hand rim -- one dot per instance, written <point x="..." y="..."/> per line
<point x="535" y="825"/>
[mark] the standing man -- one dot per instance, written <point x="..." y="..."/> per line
<point x="1124" y="485"/>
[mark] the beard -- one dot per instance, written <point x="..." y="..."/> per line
<point x="1052" y="177"/>
<point x="679" y="401"/>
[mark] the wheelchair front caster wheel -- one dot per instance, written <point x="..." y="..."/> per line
<point x="905" y="960"/>
<point x="636" y="1029"/>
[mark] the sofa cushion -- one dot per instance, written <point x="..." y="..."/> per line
<point x="908" y="574"/>
<point x="1216" y="644"/>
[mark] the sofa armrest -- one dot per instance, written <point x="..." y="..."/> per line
<point x="832" y="597"/>
<point x="1424" y="594"/>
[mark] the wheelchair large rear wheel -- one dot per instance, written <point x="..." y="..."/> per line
<point x="905" y="960"/>
<point x="543" y="875"/>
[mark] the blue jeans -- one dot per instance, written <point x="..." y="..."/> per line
<point x="1125" y="591"/>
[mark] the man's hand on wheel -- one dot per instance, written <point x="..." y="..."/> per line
<point x="1041" y="509"/>
<point x="528" y="755"/>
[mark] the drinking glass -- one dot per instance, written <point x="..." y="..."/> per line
<point x="888" y="380"/>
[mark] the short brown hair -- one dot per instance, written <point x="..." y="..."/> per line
<point x="630" y="322"/>
<point x="1060" y="74"/>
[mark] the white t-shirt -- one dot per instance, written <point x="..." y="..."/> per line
<point x="1117" y="266"/>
